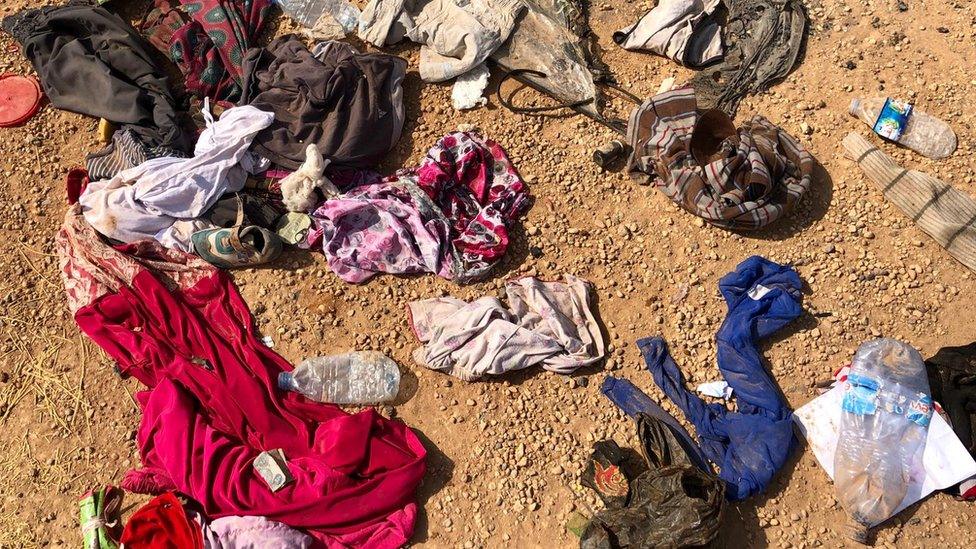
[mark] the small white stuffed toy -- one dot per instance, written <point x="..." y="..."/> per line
<point x="298" y="189"/>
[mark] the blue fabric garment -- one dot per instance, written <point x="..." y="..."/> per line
<point x="752" y="444"/>
<point x="633" y="401"/>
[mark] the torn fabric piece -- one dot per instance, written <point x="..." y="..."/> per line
<point x="92" y="62"/>
<point x="348" y="104"/>
<point x="750" y="445"/>
<point x="686" y="31"/>
<point x="147" y="200"/>
<point x="207" y="40"/>
<point x="455" y="37"/>
<point x="448" y="216"/>
<point x="757" y="174"/>
<point x="180" y="327"/>
<point x="551" y="324"/>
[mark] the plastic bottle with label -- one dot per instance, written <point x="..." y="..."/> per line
<point x="364" y="377"/>
<point x="308" y="12"/>
<point x="921" y="132"/>
<point x="884" y="422"/>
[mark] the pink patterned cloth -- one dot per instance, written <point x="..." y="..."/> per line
<point x="448" y="216"/>
<point x="91" y="271"/>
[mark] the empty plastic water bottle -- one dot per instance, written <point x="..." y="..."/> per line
<point x="364" y="377"/>
<point x="308" y="12"/>
<point x="884" y="421"/>
<point x="900" y="122"/>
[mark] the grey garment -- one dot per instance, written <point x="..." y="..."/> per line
<point x="125" y="151"/>
<point x="331" y="50"/>
<point x="941" y="211"/>
<point x="456" y="36"/>
<point x="348" y="104"/>
<point x="92" y="62"/>
<point x="686" y="31"/>
<point x="763" y="41"/>
<point x="554" y="51"/>
<point x="551" y="324"/>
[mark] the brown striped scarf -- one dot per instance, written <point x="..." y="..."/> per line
<point x="760" y="175"/>
<point x="943" y="212"/>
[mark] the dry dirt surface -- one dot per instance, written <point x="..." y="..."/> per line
<point x="505" y="455"/>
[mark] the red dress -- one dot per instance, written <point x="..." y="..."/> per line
<point x="180" y="327"/>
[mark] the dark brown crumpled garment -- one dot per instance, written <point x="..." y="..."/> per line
<point x="673" y="504"/>
<point x="763" y="41"/>
<point x="753" y="178"/>
<point x="350" y="105"/>
<point x="952" y="378"/>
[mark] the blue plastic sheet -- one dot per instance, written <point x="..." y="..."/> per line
<point x="750" y="445"/>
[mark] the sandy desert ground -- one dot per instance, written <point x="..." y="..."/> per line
<point x="505" y="455"/>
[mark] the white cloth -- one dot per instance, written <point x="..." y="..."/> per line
<point x="681" y="30"/>
<point x="145" y="201"/>
<point x="248" y="532"/>
<point x="945" y="461"/>
<point x="469" y="87"/>
<point x="715" y="389"/>
<point x="546" y="323"/>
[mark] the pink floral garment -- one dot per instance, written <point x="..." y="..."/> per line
<point x="448" y="216"/>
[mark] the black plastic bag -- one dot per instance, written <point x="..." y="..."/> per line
<point x="952" y="378"/>
<point x="606" y="475"/>
<point x="672" y="504"/>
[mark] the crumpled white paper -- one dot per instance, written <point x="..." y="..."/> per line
<point x="469" y="87"/>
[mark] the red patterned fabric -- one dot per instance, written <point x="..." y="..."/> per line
<point x="180" y="327"/>
<point x="473" y="182"/>
<point x="207" y="40"/>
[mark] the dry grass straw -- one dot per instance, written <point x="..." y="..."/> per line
<point x="45" y="413"/>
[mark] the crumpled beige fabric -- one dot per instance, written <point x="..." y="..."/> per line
<point x="456" y="36"/>
<point x="552" y="324"/>
<point x="682" y="30"/>
<point x="325" y="28"/>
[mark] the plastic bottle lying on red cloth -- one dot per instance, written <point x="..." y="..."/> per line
<point x="180" y="327"/>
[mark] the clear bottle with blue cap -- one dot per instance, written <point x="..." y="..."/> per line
<point x="902" y="123"/>
<point x="885" y="416"/>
